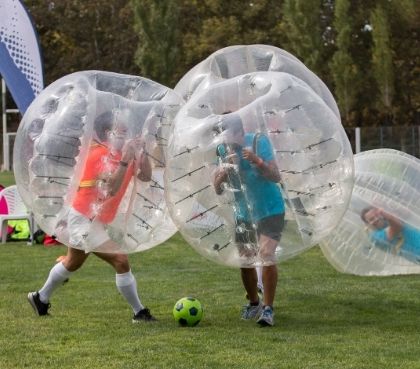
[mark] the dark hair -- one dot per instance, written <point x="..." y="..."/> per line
<point x="364" y="211"/>
<point x="103" y="122"/>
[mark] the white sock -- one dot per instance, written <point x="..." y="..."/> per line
<point x="58" y="274"/>
<point x="127" y="285"/>
<point x="259" y="282"/>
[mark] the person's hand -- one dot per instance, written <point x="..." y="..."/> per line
<point x="250" y="156"/>
<point x="129" y="152"/>
<point x="140" y="147"/>
<point x="221" y="174"/>
<point x="142" y="159"/>
<point x="132" y="149"/>
<point x="380" y="213"/>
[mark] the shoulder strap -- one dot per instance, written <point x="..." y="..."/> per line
<point x="221" y="150"/>
<point x="255" y="142"/>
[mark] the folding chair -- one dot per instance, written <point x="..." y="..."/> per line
<point x="16" y="211"/>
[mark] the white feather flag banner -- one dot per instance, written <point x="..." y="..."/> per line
<point x="20" y="57"/>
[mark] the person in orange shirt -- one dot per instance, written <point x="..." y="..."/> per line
<point x="111" y="164"/>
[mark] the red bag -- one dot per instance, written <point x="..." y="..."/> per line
<point x="50" y="241"/>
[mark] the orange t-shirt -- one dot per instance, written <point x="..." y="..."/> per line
<point x="110" y="205"/>
<point x="88" y="200"/>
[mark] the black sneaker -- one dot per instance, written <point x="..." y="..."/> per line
<point x="39" y="307"/>
<point x="143" y="316"/>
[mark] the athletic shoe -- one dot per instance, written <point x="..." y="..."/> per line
<point x="39" y="307"/>
<point x="251" y="311"/>
<point x="267" y="317"/>
<point x="143" y="316"/>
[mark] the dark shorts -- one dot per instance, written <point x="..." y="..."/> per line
<point x="270" y="226"/>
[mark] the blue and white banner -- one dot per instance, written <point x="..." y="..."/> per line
<point x="20" y="58"/>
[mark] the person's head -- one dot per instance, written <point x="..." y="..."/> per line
<point x="103" y="125"/>
<point x="107" y="130"/>
<point x="117" y="137"/>
<point x="373" y="218"/>
<point x="231" y="128"/>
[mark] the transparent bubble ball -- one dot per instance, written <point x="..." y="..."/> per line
<point x="99" y="110"/>
<point x="297" y="132"/>
<point x="233" y="61"/>
<point x="380" y="232"/>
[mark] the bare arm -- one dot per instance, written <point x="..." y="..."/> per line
<point x="395" y="225"/>
<point x="145" y="168"/>
<point x="219" y="178"/>
<point x="116" y="179"/>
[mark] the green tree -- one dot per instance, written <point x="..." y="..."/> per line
<point x="403" y="21"/>
<point x="302" y="26"/>
<point x="337" y="39"/>
<point x="81" y="35"/>
<point x="215" y="24"/>
<point x="158" y="30"/>
<point x="382" y="57"/>
<point x="344" y="70"/>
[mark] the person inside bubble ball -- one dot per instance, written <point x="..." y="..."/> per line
<point x="390" y="233"/>
<point x="110" y="165"/>
<point x="248" y="167"/>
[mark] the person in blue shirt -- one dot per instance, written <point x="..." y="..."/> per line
<point x="252" y="175"/>
<point x="390" y="234"/>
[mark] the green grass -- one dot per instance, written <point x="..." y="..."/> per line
<point x="7" y="179"/>
<point x="323" y="319"/>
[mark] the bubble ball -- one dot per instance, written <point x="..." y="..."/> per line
<point x="188" y="312"/>
<point x="236" y="60"/>
<point x="69" y="167"/>
<point x="297" y="144"/>
<point x="380" y="232"/>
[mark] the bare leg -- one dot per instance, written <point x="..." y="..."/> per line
<point x="249" y="280"/>
<point x="270" y="284"/>
<point x="269" y="274"/>
<point x="118" y="261"/>
<point x="74" y="259"/>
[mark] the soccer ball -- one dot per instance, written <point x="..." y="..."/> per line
<point x="188" y="311"/>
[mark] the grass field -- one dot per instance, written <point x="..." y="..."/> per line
<point x="323" y="319"/>
<point x="6" y="179"/>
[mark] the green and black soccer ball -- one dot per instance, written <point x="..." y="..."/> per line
<point x="188" y="312"/>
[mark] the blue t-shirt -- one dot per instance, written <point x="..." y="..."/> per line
<point x="411" y="240"/>
<point x="263" y="196"/>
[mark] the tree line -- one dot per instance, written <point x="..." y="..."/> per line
<point x="367" y="52"/>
